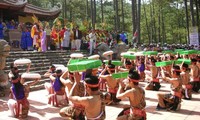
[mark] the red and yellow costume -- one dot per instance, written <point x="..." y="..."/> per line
<point x="36" y="35"/>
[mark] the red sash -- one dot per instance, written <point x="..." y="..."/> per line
<point x="135" y="111"/>
<point x="188" y="86"/>
<point x="78" y="106"/>
<point x="196" y="79"/>
<point x="22" y="101"/>
<point x="177" y="94"/>
<point x="138" y="112"/>
<point x="156" y="80"/>
<point x="17" y="106"/>
<point x="112" y="90"/>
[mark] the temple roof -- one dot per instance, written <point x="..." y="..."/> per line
<point x="24" y="8"/>
<point x="12" y="4"/>
<point x="41" y="12"/>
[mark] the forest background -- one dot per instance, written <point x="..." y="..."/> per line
<point x="161" y="21"/>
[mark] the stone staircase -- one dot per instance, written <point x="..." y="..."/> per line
<point x="40" y="62"/>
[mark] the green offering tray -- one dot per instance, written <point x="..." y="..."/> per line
<point x="164" y="63"/>
<point x="178" y="50"/>
<point x="120" y="75"/>
<point x="180" y="61"/>
<point x="168" y="52"/>
<point x="115" y="62"/>
<point x="188" y="52"/>
<point x="150" y="53"/>
<point x="84" y="65"/>
<point x="129" y="56"/>
<point x="76" y="60"/>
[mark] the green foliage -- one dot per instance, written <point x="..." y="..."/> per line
<point x="171" y="29"/>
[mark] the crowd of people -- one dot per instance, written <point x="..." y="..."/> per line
<point x="42" y="37"/>
<point x="86" y="94"/>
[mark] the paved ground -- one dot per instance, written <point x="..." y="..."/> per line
<point x="39" y="110"/>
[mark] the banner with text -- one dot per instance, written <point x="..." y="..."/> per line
<point x="194" y="36"/>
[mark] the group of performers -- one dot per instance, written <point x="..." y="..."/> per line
<point x="85" y="94"/>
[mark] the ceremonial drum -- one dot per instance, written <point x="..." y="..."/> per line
<point x="31" y="76"/>
<point x="94" y="57"/>
<point x="22" y="61"/>
<point x="76" y="55"/>
<point x="108" y="54"/>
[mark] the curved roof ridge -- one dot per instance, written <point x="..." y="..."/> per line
<point x="16" y="2"/>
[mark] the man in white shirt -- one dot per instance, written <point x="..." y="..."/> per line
<point x="66" y="40"/>
<point x="92" y="37"/>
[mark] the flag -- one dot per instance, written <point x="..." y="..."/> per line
<point x="35" y="19"/>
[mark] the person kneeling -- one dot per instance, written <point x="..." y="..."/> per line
<point x="136" y="96"/>
<point x="93" y="103"/>
<point x="172" y="100"/>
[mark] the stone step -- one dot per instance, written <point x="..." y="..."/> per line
<point x="48" y="52"/>
<point x="40" y="62"/>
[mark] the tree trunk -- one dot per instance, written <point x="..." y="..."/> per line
<point x="163" y="28"/>
<point x="114" y="8"/>
<point x="178" y="21"/>
<point x="87" y="15"/>
<point x="122" y="7"/>
<point x="159" y="23"/>
<point x="151" y="23"/>
<point x="138" y="17"/>
<point x="94" y="13"/>
<point x="147" y="26"/>
<point x="187" y="21"/>
<point x="133" y="15"/>
<point x="91" y="15"/>
<point x="70" y="11"/>
<point x="154" y="24"/>
<point x="65" y="9"/>
<point x="136" y="14"/>
<point x="192" y="12"/>
<point x="117" y="15"/>
<point x="102" y="17"/>
<point x="197" y="18"/>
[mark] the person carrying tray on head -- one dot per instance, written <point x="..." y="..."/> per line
<point x="136" y="96"/>
<point x="93" y="102"/>
<point x="154" y="83"/>
<point x="112" y="84"/>
<point x="172" y="100"/>
<point x="19" y="93"/>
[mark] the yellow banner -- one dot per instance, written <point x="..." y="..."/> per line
<point x="25" y="19"/>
